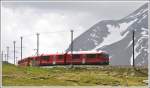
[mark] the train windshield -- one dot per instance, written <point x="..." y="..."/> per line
<point x="102" y="55"/>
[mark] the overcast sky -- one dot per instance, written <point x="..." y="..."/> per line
<point x="54" y="20"/>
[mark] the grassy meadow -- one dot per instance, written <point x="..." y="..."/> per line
<point x="77" y="76"/>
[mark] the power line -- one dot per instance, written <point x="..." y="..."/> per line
<point x="53" y="32"/>
<point x="28" y="35"/>
<point x="48" y="33"/>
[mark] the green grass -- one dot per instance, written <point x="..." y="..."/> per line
<point x="107" y="75"/>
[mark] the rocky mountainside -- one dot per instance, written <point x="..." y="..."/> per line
<point x="115" y="37"/>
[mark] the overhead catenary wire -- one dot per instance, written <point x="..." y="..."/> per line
<point x="47" y="32"/>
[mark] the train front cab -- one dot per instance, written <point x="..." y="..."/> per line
<point x="103" y="58"/>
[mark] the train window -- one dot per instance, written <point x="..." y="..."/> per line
<point x="60" y="56"/>
<point x="45" y="57"/>
<point x="76" y="56"/>
<point x="106" y="56"/>
<point x="91" y="55"/>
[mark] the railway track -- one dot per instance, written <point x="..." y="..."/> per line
<point x="82" y="66"/>
<point x="93" y="66"/>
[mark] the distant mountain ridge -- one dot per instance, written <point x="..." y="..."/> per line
<point x="115" y="37"/>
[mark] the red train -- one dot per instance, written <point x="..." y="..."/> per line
<point x="79" y="58"/>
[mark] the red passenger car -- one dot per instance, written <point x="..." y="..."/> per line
<point x="78" y="58"/>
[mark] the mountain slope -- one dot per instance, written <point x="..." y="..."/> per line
<point x="115" y="37"/>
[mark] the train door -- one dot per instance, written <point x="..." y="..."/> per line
<point x="54" y="59"/>
<point x="83" y="59"/>
<point x="65" y="56"/>
<point x="33" y="62"/>
<point x="29" y="61"/>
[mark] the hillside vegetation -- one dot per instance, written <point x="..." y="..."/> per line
<point x="77" y="76"/>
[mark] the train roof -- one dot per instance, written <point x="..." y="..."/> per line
<point x="86" y="52"/>
<point x="75" y="52"/>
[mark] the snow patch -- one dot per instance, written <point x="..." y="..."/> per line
<point x="144" y="29"/>
<point x="143" y="17"/>
<point x="143" y="32"/>
<point x="129" y="44"/>
<point x="139" y="13"/>
<point x="115" y="33"/>
<point x="95" y="42"/>
<point x="93" y="35"/>
<point x="94" y="30"/>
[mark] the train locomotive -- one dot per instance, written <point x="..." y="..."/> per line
<point x="78" y="58"/>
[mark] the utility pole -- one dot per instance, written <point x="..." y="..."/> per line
<point x="71" y="46"/>
<point x="0" y="44"/>
<point x="133" y="47"/>
<point x="6" y="57"/>
<point x="14" y="42"/>
<point x="37" y="44"/>
<point x="2" y="56"/>
<point x="16" y="60"/>
<point x="7" y="53"/>
<point x="21" y="46"/>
